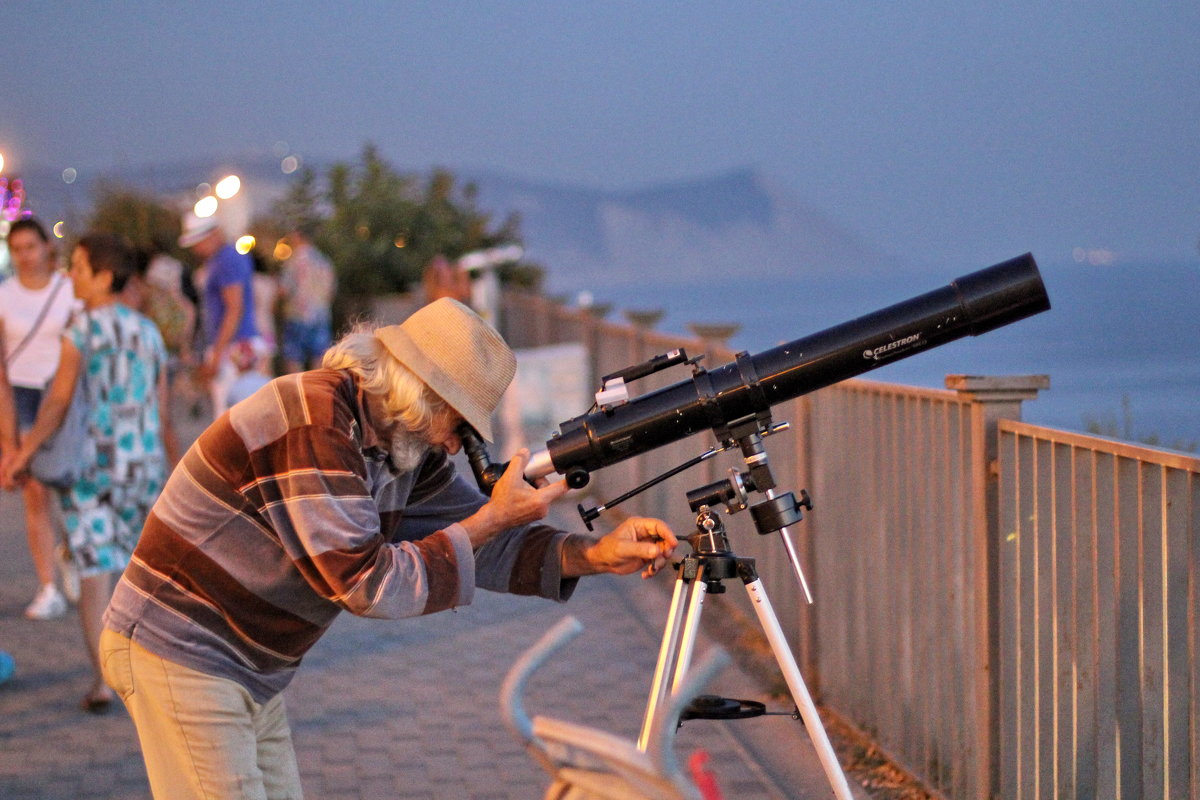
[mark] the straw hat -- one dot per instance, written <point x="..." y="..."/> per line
<point x="457" y="355"/>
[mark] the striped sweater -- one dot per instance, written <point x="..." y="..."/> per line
<point x="287" y="510"/>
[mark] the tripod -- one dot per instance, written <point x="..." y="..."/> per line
<point x="712" y="562"/>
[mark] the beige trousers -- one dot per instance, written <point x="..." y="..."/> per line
<point x="201" y="737"/>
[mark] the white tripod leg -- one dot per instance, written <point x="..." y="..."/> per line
<point x="804" y="702"/>
<point x="691" y="629"/>
<point x="660" y="687"/>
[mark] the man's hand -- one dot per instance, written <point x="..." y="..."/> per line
<point x="514" y="502"/>
<point x="637" y="543"/>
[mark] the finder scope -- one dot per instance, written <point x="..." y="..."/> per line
<point x="730" y="395"/>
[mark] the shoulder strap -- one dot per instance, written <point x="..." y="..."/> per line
<point x="37" y="323"/>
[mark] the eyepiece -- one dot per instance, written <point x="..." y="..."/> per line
<point x="486" y="472"/>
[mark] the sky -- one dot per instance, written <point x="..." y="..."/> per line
<point x="938" y="130"/>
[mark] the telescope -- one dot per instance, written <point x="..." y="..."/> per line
<point x="734" y="401"/>
<point x="740" y="392"/>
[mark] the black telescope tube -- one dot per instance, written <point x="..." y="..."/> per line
<point x="970" y="305"/>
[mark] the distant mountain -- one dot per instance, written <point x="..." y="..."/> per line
<point x="736" y="248"/>
<point x="735" y="226"/>
<point x="730" y="227"/>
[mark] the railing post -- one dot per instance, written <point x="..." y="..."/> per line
<point x="714" y="335"/>
<point x="993" y="398"/>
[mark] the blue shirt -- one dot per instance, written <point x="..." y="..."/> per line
<point x="228" y="267"/>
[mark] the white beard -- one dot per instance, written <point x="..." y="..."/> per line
<point x="406" y="449"/>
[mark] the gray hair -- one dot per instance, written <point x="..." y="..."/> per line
<point x="405" y="397"/>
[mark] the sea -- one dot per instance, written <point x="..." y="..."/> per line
<point x="1121" y="343"/>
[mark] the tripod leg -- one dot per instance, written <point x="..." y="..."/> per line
<point x="804" y="702"/>
<point x="691" y="626"/>
<point x="795" y="560"/>
<point x="668" y="654"/>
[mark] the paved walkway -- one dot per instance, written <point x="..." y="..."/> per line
<point x="405" y="709"/>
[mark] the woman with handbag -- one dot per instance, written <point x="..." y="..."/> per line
<point x="122" y="460"/>
<point x="35" y="305"/>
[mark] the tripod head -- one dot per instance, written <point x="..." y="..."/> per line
<point x="772" y="514"/>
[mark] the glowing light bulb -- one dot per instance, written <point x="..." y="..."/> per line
<point x="244" y="244"/>
<point x="228" y="186"/>
<point x="283" y="251"/>
<point x="206" y="206"/>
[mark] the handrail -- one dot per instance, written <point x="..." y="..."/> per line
<point x="1154" y="455"/>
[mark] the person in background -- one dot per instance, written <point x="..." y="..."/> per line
<point x="35" y="306"/>
<point x="8" y="666"/>
<point x="306" y="285"/>
<point x="267" y="297"/>
<point x="125" y="465"/>
<point x="228" y="311"/>
<point x="444" y="278"/>
<point x="156" y="290"/>
<point x="168" y="305"/>
<point x="9" y="438"/>
<point x="8" y="441"/>
<point x="328" y="491"/>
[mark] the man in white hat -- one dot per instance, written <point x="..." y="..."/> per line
<point x="327" y="490"/>
<point x="227" y="312"/>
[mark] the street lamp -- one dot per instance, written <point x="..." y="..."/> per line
<point x="206" y="206"/>
<point x="228" y="186"/>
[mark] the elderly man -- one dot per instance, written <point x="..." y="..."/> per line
<point x="327" y="490"/>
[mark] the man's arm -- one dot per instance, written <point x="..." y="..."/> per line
<point x="53" y="409"/>
<point x="8" y="407"/>
<point x="313" y="489"/>
<point x="514" y="502"/>
<point x="8" y="417"/>
<point x="166" y="422"/>
<point x="235" y="303"/>
<point x="638" y="543"/>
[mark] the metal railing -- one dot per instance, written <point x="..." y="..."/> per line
<point x="1097" y="605"/>
<point x="1007" y="610"/>
<point x="900" y="581"/>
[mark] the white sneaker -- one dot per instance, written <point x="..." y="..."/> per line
<point x="69" y="575"/>
<point x="48" y="603"/>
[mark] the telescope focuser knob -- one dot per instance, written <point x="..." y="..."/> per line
<point x="805" y="500"/>
<point x="577" y="477"/>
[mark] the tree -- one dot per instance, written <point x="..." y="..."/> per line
<point x="145" y="221"/>
<point x="380" y="228"/>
